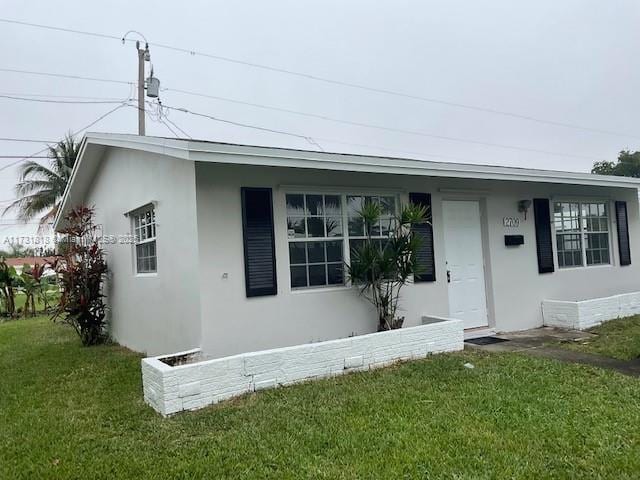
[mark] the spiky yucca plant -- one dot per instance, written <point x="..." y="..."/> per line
<point x="381" y="268"/>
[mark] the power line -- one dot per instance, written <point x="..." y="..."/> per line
<point x="326" y="118"/>
<point x="28" y="140"/>
<point x="60" y="29"/>
<point x="352" y="123"/>
<point x="49" y="95"/>
<point x="389" y="129"/>
<point x="173" y="132"/>
<point x="232" y="122"/>
<point x="317" y="78"/>
<point x="177" y="127"/>
<point x="377" y="127"/>
<point x="35" y="155"/>
<point x="80" y="102"/>
<point x="313" y="140"/>
<point x="61" y="75"/>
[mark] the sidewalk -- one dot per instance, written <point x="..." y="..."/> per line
<point x="540" y="342"/>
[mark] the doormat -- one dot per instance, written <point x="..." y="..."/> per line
<point x="486" y="340"/>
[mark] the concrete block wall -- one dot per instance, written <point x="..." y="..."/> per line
<point x="195" y="385"/>
<point x="585" y="314"/>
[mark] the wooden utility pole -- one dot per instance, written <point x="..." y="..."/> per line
<point x="141" y="59"/>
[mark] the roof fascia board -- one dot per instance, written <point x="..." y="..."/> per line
<point x="430" y="170"/>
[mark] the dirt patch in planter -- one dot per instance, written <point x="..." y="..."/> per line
<point x="177" y="360"/>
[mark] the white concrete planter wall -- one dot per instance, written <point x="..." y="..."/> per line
<point x="170" y="389"/>
<point x="585" y="314"/>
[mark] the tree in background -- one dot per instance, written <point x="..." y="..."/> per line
<point x="628" y="165"/>
<point x="81" y="273"/>
<point x="40" y="188"/>
<point x="17" y="250"/>
<point x="29" y="286"/>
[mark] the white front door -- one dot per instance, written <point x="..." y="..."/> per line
<point x="465" y="262"/>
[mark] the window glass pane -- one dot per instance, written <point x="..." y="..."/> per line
<point x="332" y="205"/>
<point x="315" y="252"/>
<point x="597" y="248"/>
<point x="569" y="250"/>
<point x="354" y="205"/>
<point x="387" y="226"/>
<point x="316" y="226"/>
<point x="317" y="275"/>
<point x="297" y="253"/>
<point x="298" y="277"/>
<point x="356" y="224"/>
<point x="334" y="251"/>
<point x="295" y="204"/>
<point x="577" y="259"/>
<point x="356" y="227"/>
<point x="296" y="227"/>
<point x="334" y="274"/>
<point x="387" y="206"/>
<point x="334" y="226"/>
<point x="374" y="230"/>
<point x="152" y="264"/>
<point x="314" y="204"/>
<point x="355" y="245"/>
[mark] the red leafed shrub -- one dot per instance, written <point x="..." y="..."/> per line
<point x="81" y="273"/>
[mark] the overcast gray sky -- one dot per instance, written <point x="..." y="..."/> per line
<point x="572" y="62"/>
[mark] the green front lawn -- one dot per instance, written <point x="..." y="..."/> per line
<point x="72" y="412"/>
<point x="616" y="338"/>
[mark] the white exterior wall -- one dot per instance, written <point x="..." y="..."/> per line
<point x="233" y="323"/>
<point x="153" y="313"/>
<point x="188" y="387"/>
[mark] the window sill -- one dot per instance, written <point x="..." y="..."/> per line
<point x="590" y="267"/>
<point x="337" y="288"/>
<point x="146" y="275"/>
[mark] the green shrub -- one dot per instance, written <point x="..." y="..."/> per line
<point x="81" y="275"/>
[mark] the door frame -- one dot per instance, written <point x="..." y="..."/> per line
<point x="486" y="251"/>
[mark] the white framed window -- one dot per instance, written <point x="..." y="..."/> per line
<point x="143" y="223"/>
<point x="315" y="231"/>
<point x="321" y="230"/>
<point x="582" y="233"/>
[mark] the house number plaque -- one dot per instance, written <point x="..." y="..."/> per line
<point x="511" y="222"/>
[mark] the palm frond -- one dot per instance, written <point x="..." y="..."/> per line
<point x="40" y="188"/>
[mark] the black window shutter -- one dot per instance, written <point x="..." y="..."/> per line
<point x="259" y="244"/>
<point x="623" y="233"/>
<point x="425" y="257"/>
<point x="543" y="235"/>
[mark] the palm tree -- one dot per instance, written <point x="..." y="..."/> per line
<point x="40" y="188"/>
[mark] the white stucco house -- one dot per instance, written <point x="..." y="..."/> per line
<point x="241" y="248"/>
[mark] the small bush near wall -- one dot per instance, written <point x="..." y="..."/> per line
<point x="82" y="271"/>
